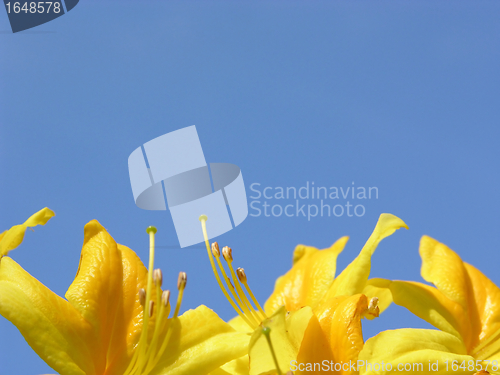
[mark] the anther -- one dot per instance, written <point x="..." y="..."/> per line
<point x="227" y="252"/>
<point x="215" y="250"/>
<point x="142" y="296"/>
<point x="151" y="308"/>
<point x="165" y="297"/>
<point x="241" y="275"/>
<point x="158" y="277"/>
<point x="181" y="281"/>
<point x="372" y="310"/>
<point x="181" y="284"/>
<point x="203" y="219"/>
<point x="373" y="304"/>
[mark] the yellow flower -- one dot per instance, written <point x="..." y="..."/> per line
<point x="313" y="316"/>
<point x="464" y="306"/>
<point x="114" y="320"/>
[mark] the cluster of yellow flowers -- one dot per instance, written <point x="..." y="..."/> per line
<point x="116" y="318"/>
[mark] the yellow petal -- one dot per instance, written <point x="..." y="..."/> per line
<point x="105" y="292"/>
<point x="354" y="277"/>
<point x="201" y="342"/>
<point x="340" y="319"/>
<point x="309" y="279"/>
<point x="239" y="325"/>
<point x="315" y="348"/>
<point x="129" y="314"/>
<point x="50" y="325"/>
<point x="296" y="325"/>
<point x="414" y="347"/>
<point x="444" y="268"/>
<point x="236" y="367"/>
<point x="477" y="296"/>
<point x="429" y="304"/>
<point x="302" y="251"/>
<point x="486" y="325"/>
<point x="466" y="303"/>
<point x="380" y="289"/>
<point x="13" y="237"/>
<point x="333" y="336"/>
<point x="286" y="337"/>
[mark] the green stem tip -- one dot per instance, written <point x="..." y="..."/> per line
<point x="266" y="331"/>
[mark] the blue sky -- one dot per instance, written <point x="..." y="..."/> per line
<point x="399" y="96"/>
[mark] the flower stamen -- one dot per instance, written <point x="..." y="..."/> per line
<point x="181" y="285"/>
<point x="142" y="297"/>
<point x="216" y="254"/>
<point x="151" y="308"/>
<point x="203" y="220"/>
<point x="146" y="355"/>
<point x="228" y="256"/>
<point x="165" y="298"/>
<point x="163" y="306"/>
<point x="243" y="279"/>
<point x="243" y="306"/>
<point x="158" y="277"/>
<point x="215" y="249"/>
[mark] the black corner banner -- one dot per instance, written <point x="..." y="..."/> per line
<point x="27" y="14"/>
<point x="70" y="4"/>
